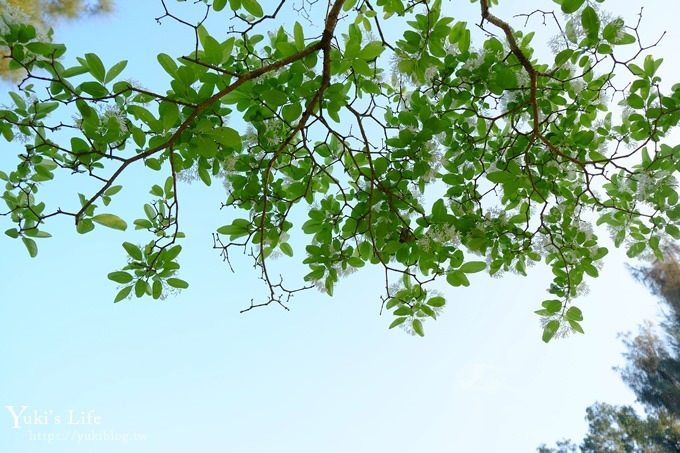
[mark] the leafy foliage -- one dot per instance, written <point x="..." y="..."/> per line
<point x="40" y="13"/>
<point x="653" y="369"/>
<point x="652" y="372"/>
<point x="332" y="145"/>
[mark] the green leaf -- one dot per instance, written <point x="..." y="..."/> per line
<point x="436" y="302"/>
<point x="275" y="97"/>
<point x="140" y="288"/>
<point x="134" y="251"/>
<point x="673" y="230"/>
<point x="156" y="191"/>
<point x="439" y="211"/>
<point x="563" y="57"/>
<point x="204" y="175"/>
<point x="253" y="7"/>
<point x="635" y="101"/>
<point x="177" y="283"/>
<point x="291" y="112"/>
<point x="635" y="249"/>
<point x="212" y="48"/>
<point x="168" y="187"/>
<point x="473" y="266"/>
<point x="570" y="6"/>
<point x="152" y="163"/>
<point x="651" y="65"/>
<point x="31" y="246"/>
<point x="392" y="303"/>
<point x="590" y="270"/>
<point x="41" y="48"/>
<point x="457" y="278"/>
<point x="612" y="29"/>
<point x="168" y="64"/>
<point x="575" y="325"/>
<point x="365" y="250"/>
<point x="347" y="6"/>
<point x="156" y="289"/>
<point x="46" y="107"/>
<point x="286" y="248"/>
<point x="36" y="233"/>
<point x="316" y="274"/>
<point x="139" y="137"/>
<point x="218" y="5"/>
<point x="464" y="41"/>
<point x="26" y="32"/>
<point x="94" y="89"/>
<point x="172" y="253"/>
<point x="111" y="221"/>
<point x="552" y="306"/>
<point x="149" y="211"/>
<point x="84" y="226"/>
<point x="168" y="113"/>
<point x="120" y="277"/>
<point x="500" y="177"/>
<point x="403" y="311"/>
<point x="299" y="36"/>
<point x="418" y="327"/>
<point x="74" y="71"/>
<point x="122" y="294"/>
<point x="143" y="114"/>
<point x="505" y="77"/>
<point x="227" y="136"/>
<point x="238" y="228"/>
<point x="371" y="51"/>
<point x="590" y="22"/>
<point x="627" y="38"/>
<point x="605" y="49"/>
<point x="398" y="321"/>
<point x="18" y="100"/>
<point x="550" y="330"/>
<point x="428" y="311"/>
<point x="574" y="314"/>
<point x="115" y="70"/>
<point x="141" y="224"/>
<point x="111" y="191"/>
<point x="96" y="67"/>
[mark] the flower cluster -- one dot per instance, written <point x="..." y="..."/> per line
<point x="11" y="14"/>
<point x="649" y="181"/>
<point x="439" y="234"/>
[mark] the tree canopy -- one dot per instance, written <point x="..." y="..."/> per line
<point x="653" y="370"/>
<point x="615" y="429"/>
<point x="394" y="136"/>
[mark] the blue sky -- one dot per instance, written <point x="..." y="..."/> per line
<point x="192" y="374"/>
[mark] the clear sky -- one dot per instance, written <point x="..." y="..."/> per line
<point x="191" y="374"/>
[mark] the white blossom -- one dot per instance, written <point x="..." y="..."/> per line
<point x="10" y="14"/>
<point x="562" y="332"/>
<point x="439" y="234"/>
<point x="114" y="111"/>
<point x="577" y="85"/>
<point x="648" y="183"/>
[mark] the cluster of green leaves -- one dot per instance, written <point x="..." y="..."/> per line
<point x="521" y="149"/>
<point x="41" y="14"/>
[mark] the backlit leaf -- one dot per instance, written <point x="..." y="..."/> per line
<point x="111" y="221"/>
